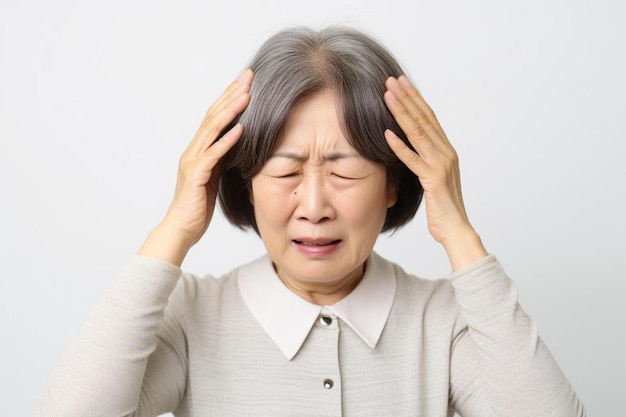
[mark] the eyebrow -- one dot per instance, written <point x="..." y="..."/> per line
<point x="333" y="156"/>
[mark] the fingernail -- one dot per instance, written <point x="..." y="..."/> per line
<point x="390" y="96"/>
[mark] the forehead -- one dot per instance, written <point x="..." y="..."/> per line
<point x="313" y="122"/>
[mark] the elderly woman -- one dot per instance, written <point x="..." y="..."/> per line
<point x="319" y="147"/>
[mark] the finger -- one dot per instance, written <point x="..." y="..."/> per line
<point x="228" y="106"/>
<point x="411" y="159"/>
<point x="414" y="131"/>
<point x="238" y="87"/>
<point x="215" y="122"/>
<point x="411" y="119"/>
<point x="414" y="122"/>
<point x="218" y="150"/>
<point x="440" y="140"/>
<point x="221" y="146"/>
<point x="240" y="84"/>
<point x="417" y="98"/>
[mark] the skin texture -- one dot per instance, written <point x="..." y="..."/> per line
<point x="316" y="203"/>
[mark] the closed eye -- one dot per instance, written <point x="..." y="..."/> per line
<point x="343" y="177"/>
<point x="289" y="175"/>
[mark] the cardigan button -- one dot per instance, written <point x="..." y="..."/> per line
<point x="328" y="383"/>
<point x="326" y="320"/>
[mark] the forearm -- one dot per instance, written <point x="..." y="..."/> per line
<point x="519" y="376"/>
<point x="102" y="370"/>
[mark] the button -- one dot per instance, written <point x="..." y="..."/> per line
<point x="328" y="383"/>
<point x="326" y="321"/>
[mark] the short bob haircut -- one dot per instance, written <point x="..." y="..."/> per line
<point x="294" y="64"/>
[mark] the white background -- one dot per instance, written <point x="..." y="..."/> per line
<point x="97" y="101"/>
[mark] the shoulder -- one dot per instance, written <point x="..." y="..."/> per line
<point x="428" y="306"/>
<point x="420" y="292"/>
<point x="209" y="290"/>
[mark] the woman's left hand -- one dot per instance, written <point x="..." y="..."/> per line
<point x="436" y="164"/>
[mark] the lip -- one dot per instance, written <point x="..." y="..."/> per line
<point x="320" y="246"/>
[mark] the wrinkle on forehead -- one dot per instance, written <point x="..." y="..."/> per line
<point x="312" y="130"/>
<point x="330" y="156"/>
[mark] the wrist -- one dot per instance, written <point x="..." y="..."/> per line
<point x="464" y="248"/>
<point x="165" y="243"/>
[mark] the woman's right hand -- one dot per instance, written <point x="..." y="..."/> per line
<point x="192" y="206"/>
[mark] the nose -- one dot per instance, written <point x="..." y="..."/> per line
<point x="313" y="201"/>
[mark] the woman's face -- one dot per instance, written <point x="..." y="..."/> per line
<point x="319" y="205"/>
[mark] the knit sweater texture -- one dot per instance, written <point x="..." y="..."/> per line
<point x="164" y="341"/>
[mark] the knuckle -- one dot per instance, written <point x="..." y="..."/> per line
<point x="186" y="162"/>
<point x="450" y="165"/>
<point x="416" y="131"/>
<point x="403" y="112"/>
<point x="414" y="158"/>
<point x="208" y="124"/>
<point x="423" y="119"/>
<point x="431" y="114"/>
<point x="453" y="157"/>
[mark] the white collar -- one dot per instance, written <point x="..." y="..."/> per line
<point x="288" y="319"/>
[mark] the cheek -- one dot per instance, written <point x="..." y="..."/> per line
<point x="366" y="208"/>
<point x="272" y="204"/>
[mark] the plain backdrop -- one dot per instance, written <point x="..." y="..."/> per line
<point x="98" y="100"/>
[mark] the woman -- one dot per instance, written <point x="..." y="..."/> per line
<point x="319" y="147"/>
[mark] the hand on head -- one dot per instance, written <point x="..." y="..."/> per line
<point x="192" y="206"/>
<point x="435" y="162"/>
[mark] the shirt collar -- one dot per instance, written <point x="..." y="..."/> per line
<point x="288" y="319"/>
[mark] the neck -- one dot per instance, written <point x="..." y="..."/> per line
<point x="324" y="293"/>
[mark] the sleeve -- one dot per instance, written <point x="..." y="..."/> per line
<point x="129" y="358"/>
<point x="499" y="365"/>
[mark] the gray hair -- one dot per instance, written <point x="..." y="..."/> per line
<point x="296" y="63"/>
